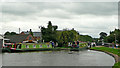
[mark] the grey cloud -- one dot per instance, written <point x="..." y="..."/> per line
<point x="18" y="9"/>
<point x="24" y="11"/>
<point x="68" y="14"/>
<point x="97" y="27"/>
<point x="95" y="8"/>
<point x="60" y="0"/>
<point x="73" y="8"/>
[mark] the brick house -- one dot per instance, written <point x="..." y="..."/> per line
<point x="36" y="35"/>
<point x="20" y="38"/>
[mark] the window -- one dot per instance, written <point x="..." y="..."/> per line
<point x="18" y="46"/>
<point x="40" y="46"/>
<point x="27" y="46"/>
<point x="48" y="46"/>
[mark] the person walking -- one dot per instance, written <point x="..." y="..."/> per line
<point x="89" y="46"/>
<point x="94" y="44"/>
<point x="53" y="45"/>
<point x="73" y="45"/>
<point x="112" y="44"/>
<point x="56" y="44"/>
<point x="69" y="44"/>
<point x="77" y="44"/>
<point x="117" y="45"/>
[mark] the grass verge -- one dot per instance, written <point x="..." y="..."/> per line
<point x="116" y="65"/>
<point x="111" y="50"/>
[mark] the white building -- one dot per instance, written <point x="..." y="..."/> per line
<point x="1" y="40"/>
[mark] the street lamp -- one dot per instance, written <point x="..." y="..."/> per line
<point x="115" y="39"/>
<point x="52" y="28"/>
<point x="40" y="33"/>
<point x="102" y="42"/>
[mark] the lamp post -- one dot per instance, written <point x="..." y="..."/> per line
<point x="102" y="42"/>
<point x="52" y="28"/>
<point x="41" y="33"/>
<point x="115" y="39"/>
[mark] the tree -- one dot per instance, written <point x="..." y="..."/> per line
<point x="10" y="33"/>
<point x="7" y="33"/>
<point x="62" y="37"/>
<point x="85" y="38"/>
<point x="49" y="33"/>
<point x="49" y="24"/>
<point x="113" y="34"/>
<point x="13" y="33"/>
<point x="66" y="36"/>
<point x="103" y="35"/>
<point x="31" y="32"/>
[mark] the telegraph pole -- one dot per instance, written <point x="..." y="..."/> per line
<point x="19" y="30"/>
<point x="115" y="39"/>
<point x="40" y="32"/>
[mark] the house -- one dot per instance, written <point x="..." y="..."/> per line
<point x="19" y="38"/>
<point x="23" y="32"/>
<point x="37" y="35"/>
<point x="1" y="41"/>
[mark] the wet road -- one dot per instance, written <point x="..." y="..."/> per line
<point x="58" y="58"/>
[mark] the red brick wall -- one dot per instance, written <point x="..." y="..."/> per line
<point x="30" y="36"/>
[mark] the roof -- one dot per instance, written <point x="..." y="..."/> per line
<point x="1" y="36"/>
<point x="26" y="32"/>
<point x="17" y="38"/>
<point x="37" y="34"/>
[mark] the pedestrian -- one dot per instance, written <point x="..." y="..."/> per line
<point x="116" y="45"/>
<point x="112" y="44"/>
<point x="69" y="44"/>
<point x="34" y="46"/>
<point x="48" y="45"/>
<point x="40" y="45"/>
<point x="92" y="44"/>
<point x="102" y="44"/>
<point x="77" y="44"/>
<point x="53" y="45"/>
<point x="73" y="45"/>
<point x="88" y="44"/>
<point x="56" y="44"/>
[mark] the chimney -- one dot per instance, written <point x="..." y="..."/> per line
<point x="19" y="30"/>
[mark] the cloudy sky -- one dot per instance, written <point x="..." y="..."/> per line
<point x="86" y="17"/>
